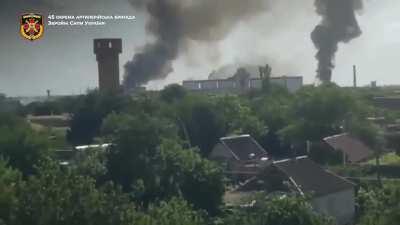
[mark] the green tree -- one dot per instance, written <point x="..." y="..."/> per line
<point x="9" y="178"/>
<point x="148" y="160"/>
<point x="196" y="179"/>
<point x="238" y="117"/>
<point x="63" y="196"/>
<point x="8" y="105"/>
<point x="56" y="196"/>
<point x="135" y="141"/>
<point x="380" y="206"/>
<point x="393" y="141"/>
<point x="172" y="93"/>
<point x="20" y="145"/>
<point x="282" y="211"/>
<point x="274" y="112"/>
<point x="91" y="162"/>
<point x="204" y="124"/>
<point x="44" y="108"/>
<point x="318" y="112"/>
<point x="173" y="212"/>
<point x="87" y="120"/>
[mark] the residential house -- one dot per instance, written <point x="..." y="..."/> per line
<point x="353" y="150"/>
<point x="330" y="195"/>
<point x="241" y="155"/>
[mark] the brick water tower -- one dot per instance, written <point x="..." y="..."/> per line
<point x="107" y="55"/>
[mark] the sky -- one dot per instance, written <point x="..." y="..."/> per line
<point x="63" y="60"/>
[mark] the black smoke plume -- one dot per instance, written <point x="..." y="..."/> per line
<point x="173" y="23"/>
<point x="339" y="24"/>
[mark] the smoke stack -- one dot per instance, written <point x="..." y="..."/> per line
<point x="107" y="54"/>
<point x="175" y="23"/>
<point x="338" y="24"/>
<point x="354" y="76"/>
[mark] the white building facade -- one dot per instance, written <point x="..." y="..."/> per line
<point x="292" y="83"/>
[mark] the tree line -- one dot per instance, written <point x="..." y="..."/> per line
<point x="156" y="171"/>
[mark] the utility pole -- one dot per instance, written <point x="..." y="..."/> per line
<point x="354" y="76"/>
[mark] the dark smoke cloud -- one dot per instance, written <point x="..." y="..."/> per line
<point x="12" y="9"/>
<point x="42" y="5"/>
<point x="339" y="24"/>
<point x="174" y="22"/>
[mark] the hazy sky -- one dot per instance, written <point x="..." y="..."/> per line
<point x="63" y="61"/>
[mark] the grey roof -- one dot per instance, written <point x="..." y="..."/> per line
<point x="310" y="178"/>
<point x="355" y="150"/>
<point x="243" y="147"/>
<point x="387" y="102"/>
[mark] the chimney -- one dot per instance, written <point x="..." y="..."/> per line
<point x="354" y="76"/>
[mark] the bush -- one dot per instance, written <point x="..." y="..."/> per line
<point x="56" y="196"/>
<point x="20" y="145"/>
<point x="277" y="210"/>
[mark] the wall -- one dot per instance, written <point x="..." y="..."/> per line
<point x="191" y="85"/>
<point x="293" y="84"/>
<point x="340" y="206"/>
<point x="221" y="153"/>
<point x="256" y="83"/>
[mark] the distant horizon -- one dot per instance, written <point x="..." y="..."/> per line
<point x="149" y="89"/>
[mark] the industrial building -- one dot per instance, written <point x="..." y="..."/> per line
<point x="292" y="83"/>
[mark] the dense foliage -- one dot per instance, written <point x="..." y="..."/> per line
<point x="20" y="145"/>
<point x="278" y="211"/>
<point x="56" y="196"/>
<point x="147" y="159"/>
<point x="380" y="206"/>
<point x="156" y="171"/>
<point x="89" y="114"/>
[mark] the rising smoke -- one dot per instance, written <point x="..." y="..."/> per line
<point x="339" y="24"/>
<point x="174" y="22"/>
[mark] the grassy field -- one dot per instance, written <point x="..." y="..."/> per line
<point x="57" y="135"/>
<point x="387" y="159"/>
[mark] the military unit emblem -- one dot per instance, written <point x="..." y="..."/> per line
<point x="31" y="26"/>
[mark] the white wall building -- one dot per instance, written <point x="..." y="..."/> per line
<point x="292" y="83"/>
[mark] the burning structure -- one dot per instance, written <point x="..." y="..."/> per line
<point x="242" y="81"/>
<point x="107" y="51"/>
<point x="339" y="24"/>
<point x="174" y="23"/>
